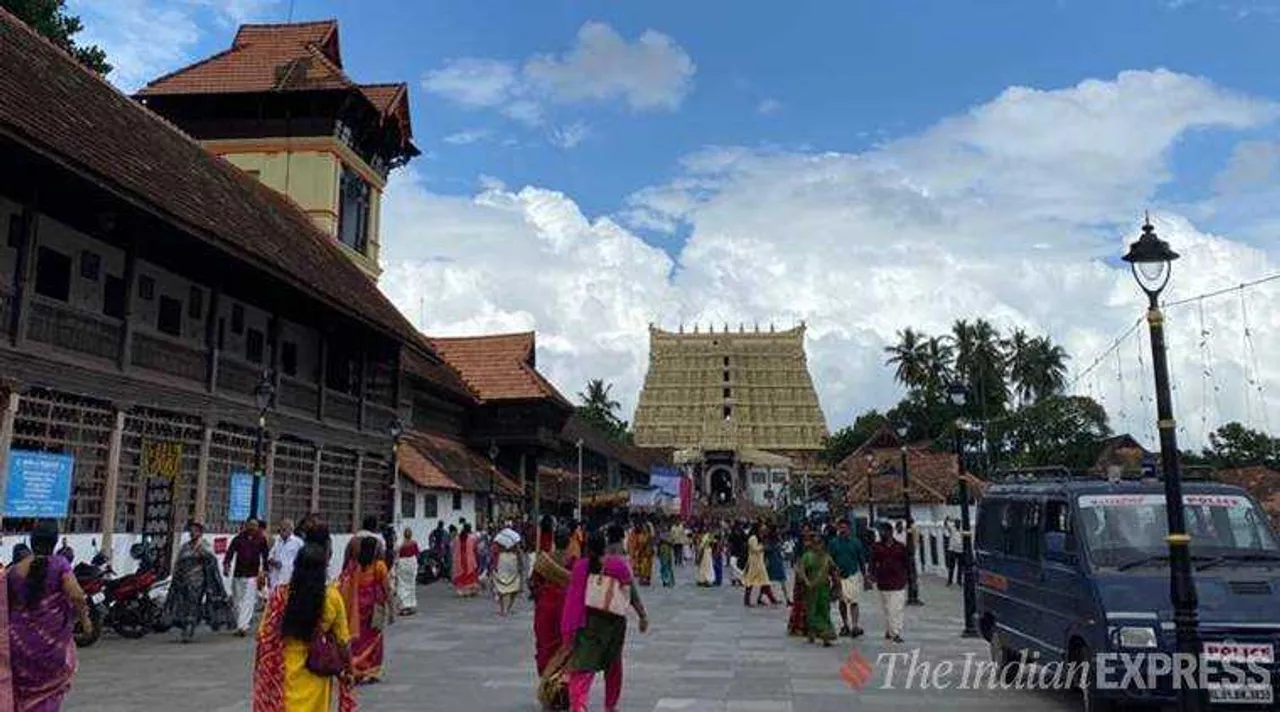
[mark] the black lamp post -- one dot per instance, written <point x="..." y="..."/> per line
<point x="913" y="576"/>
<point x="263" y="393"/>
<point x="493" y="480"/>
<point x="395" y="430"/>
<point x="959" y="395"/>
<point x="1152" y="263"/>
<point x="871" y="500"/>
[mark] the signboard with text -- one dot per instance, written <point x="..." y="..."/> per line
<point x="39" y="484"/>
<point x="241" y="491"/>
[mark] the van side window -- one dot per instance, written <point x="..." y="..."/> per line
<point x="1015" y="542"/>
<point x="989" y="535"/>
<point x="1057" y="518"/>
<point x="1031" y="531"/>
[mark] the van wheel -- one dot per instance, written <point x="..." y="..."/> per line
<point x="1086" y="681"/>
<point x="1006" y="659"/>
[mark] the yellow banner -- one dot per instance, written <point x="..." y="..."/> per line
<point x="161" y="459"/>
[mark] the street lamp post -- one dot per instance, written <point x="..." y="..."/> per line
<point x="959" y="395"/>
<point x="493" y="480"/>
<point x="1151" y="260"/>
<point x="871" y="500"/>
<point x="913" y="574"/>
<point x="578" y="516"/>
<point x="263" y="393"/>
<point x="395" y="430"/>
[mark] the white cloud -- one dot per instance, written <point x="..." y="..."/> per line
<point x="144" y="39"/>
<point x="652" y="73"/>
<point x="1013" y="211"/>
<point x="768" y="107"/>
<point x="464" y="138"/>
<point x="570" y="136"/>
<point x="1253" y="164"/>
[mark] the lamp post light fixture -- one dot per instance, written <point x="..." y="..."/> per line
<point x="913" y="576"/>
<point x="263" y="394"/>
<point x="1151" y="260"/>
<point x="959" y="395"/>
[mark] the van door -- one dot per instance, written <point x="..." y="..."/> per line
<point x="1065" y="589"/>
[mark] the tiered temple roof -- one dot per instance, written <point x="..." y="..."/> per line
<point x="723" y="390"/>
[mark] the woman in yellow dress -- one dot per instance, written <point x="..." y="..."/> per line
<point x="640" y="550"/>
<point x="294" y="614"/>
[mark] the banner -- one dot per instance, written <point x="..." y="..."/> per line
<point x="39" y="484"/>
<point x="672" y="484"/>
<point x="161" y="458"/>
<point x="241" y="493"/>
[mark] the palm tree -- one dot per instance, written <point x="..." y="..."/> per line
<point x="1020" y="357"/>
<point x="937" y="357"/>
<point x="1048" y="371"/>
<point x="598" y="397"/>
<point x="908" y="358"/>
<point x="980" y="362"/>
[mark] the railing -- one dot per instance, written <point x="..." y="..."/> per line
<point x="168" y="356"/>
<point x="342" y="408"/>
<point x="298" y="395"/>
<point x="74" y="330"/>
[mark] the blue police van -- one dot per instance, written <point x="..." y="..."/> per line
<point x="1076" y="570"/>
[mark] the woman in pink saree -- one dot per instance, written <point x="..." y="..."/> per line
<point x="43" y="601"/>
<point x="466" y="571"/>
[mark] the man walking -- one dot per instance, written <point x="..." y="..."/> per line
<point x="248" y="551"/>
<point x="889" y="566"/>
<point x="955" y="549"/>
<point x="850" y="559"/>
<point x="283" y="552"/>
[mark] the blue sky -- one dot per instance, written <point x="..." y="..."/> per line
<point x="593" y="167"/>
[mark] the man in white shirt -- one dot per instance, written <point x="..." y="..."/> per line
<point x="955" y="549"/>
<point x="283" y="552"/>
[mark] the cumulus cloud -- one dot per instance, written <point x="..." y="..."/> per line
<point x="1253" y="164"/>
<point x="651" y="73"/>
<point x="768" y="107"/>
<point x="1014" y="211"/>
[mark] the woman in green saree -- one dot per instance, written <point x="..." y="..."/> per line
<point x="815" y="572"/>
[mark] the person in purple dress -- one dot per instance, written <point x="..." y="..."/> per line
<point x="44" y="602"/>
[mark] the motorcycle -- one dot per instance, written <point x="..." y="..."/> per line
<point x="131" y="605"/>
<point x="92" y="577"/>
<point x="430" y="568"/>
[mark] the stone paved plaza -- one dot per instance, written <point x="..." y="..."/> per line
<point x="704" y="652"/>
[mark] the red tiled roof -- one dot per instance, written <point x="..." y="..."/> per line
<point x="933" y="476"/>
<point x="498" y="367"/>
<point x="54" y="106"/>
<point x="467" y="469"/>
<point x="422" y="471"/>
<point x="436" y="371"/>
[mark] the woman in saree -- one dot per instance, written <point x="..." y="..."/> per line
<point x="598" y="637"/>
<point x="44" y="602"/>
<point x="294" y="614"/>
<point x="548" y="582"/>
<point x="466" y="571"/>
<point x="577" y="539"/>
<point x="775" y="563"/>
<point x="706" y="556"/>
<point x="407" y="574"/>
<point x="666" y="560"/>
<point x="196" y="593"/>
<point x="640" y="551"/>
<point x="798" y="623"/>
<point x="817" y="568"/>
<point x="366" y="593"/>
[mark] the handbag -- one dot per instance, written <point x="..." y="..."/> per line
<point x="381" y="617"/>
<point x="608" y="595"/>
<point x="323" y="656"/>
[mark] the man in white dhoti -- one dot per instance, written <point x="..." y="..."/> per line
<point x="283" y="552"/>
<point x="248" y="552"/>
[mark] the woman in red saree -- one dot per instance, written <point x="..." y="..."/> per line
<point x="295" y="610"/>
<point x="43" y="602"/>
<point x="548" y="582"/>
<point x="366" y="593"/>
<point x="466" y="571"/>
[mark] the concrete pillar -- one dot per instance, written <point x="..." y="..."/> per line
<point x="113" y="482"/>
<point x="7" y="419"/>
<point x="315" y="481"/>
<point x="202" y="474"/>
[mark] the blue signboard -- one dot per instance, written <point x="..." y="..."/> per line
<point x="242" y="495"/>
<point x="39" y="484"/>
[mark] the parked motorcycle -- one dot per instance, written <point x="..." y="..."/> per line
<point x="92" y="577"/>
<point x="430" y="568"/>
<point x="131" y="605"/>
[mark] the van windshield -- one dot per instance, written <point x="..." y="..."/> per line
<point x="1123" y="528"/>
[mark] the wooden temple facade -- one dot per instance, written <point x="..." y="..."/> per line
<point x="738" y="407"/>
<point x="147" y="287"/>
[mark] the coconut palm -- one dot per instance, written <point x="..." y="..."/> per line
<point x="908" y="358"/>
<point x="938" y="357"/>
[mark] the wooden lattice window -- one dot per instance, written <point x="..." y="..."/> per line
<point x="376" y="490"/>
<point x="291" y="483"/>
<point x="51" y="421"/>
<point x="145" y="429"/>
<point x="230" y="449"/>
<point x="337" y="488"/>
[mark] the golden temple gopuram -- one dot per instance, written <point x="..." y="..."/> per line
<point x="738" y="405"/>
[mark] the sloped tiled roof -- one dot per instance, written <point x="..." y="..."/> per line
<point x="467" y="469"/>
<point x="498" y="367"/>
<point x="54" y="106"/>
<point x="933" y="476"/>
<point x="422" y="471"/>
<point x="440" y="373"/>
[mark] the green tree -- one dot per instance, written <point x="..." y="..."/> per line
<point x="908" y="359"/>
<point x="1234" y="445"/>
<point x="981" y="364"/>
<point x="600" y="410"/>
<point x="840" y="444"/>
<point x="1058" y="430"/>
<point x="50" y="18"/>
